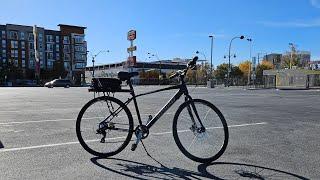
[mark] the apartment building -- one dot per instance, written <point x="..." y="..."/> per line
<point x="36" y="53"/>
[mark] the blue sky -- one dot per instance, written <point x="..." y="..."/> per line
<point x="178" y="28"/>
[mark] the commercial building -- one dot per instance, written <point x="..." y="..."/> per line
<point x="291" y="78"/>
<point x="314" y="65"/>
<point x="162" y="68"/>
<point x="36" y="53"/>
<point x="274" y="58"/>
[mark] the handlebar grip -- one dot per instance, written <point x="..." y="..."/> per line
<point x="193" y="61"/>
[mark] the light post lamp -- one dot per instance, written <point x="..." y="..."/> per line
<point x="198" y="52"/>
<point x="229" y="68"/>
<point x="93" y="59"/>
<point x="211" y="56"/>
<point x="249" y="68"/>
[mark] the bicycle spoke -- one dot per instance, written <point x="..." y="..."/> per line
<point x="200" y="143"/>
<point x="192" y="142"/>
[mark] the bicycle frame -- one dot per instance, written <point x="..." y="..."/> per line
<point x="182" y="91"/>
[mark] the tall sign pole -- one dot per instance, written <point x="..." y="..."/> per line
<point x="132" y="35"/>
<point x="36" y="52"/>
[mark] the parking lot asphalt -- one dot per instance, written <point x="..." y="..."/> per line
<point x="274" y="134"/>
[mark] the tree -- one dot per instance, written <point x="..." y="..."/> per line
<point x="236" y="72"/>
<point x="244" y="68"/>
<point x="221" y="71"/>
<point x="264" y="65"/>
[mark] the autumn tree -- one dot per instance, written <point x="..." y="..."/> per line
<point x="264" y="65"/>
<point x="244" y="68"/>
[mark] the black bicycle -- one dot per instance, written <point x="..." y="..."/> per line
<point x="105" y="124"/>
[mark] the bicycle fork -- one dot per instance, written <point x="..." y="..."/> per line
<point x="194" y="127"/>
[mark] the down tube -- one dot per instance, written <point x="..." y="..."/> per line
<point x="164" y="109"/>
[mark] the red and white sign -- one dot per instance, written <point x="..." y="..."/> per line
<point x="132" y="35"/>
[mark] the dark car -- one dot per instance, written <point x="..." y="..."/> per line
<point x="58" y="83"/>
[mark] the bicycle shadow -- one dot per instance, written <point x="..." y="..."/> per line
<point x="1" y="145"/>
<point x="220" y="170"/>
<point x="142" y="171"/>
<point x="231" y="170"/>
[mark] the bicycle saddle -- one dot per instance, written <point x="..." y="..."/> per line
<point x="123" y="76"/>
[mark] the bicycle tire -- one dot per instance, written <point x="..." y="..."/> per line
<point x="127" y="117"/>
<point x="181" y="135"/>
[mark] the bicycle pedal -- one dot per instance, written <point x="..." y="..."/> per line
<point x="133" y="147"/>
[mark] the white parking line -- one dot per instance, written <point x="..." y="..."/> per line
<point x="76" y="142"/>
<point x="57" y="120"/>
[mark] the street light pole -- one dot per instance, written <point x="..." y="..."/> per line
<point x="229" y="68"/>
<point x="93" y="60"/>
<point x="211" y="56"/>
<point x="249" y="68"/>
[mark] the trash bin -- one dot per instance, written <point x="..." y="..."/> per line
<point x="210" y="83"/>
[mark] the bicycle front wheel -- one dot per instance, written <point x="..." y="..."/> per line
<point x="104" y="126"/>
<point x="200" y="131"/>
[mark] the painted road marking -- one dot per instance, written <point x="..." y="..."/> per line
<point x="76" y="142"/>
<point x="57" y="120"/>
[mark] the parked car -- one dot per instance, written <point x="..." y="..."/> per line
<point x="58" y="83"/>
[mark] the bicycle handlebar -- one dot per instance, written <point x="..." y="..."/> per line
<point x="191" y="65"/>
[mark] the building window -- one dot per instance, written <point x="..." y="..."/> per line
<point x="41" y="64"/>
<point x="57" y="39"/>
<point x="23" y="54"/>
<point x="23" y="63"/>
<point x="31" y="64"/>
<point x="50" y="64"/>
<point x="4" y="53"/>
<point x="4" y="43"/>
<point x="79" y="56"/>
<point x="57" y="47"/>
<point x="22" y="35"/>
<point x="78" y="39"/>
<point x="49" y="55"/>
<point x="23" y="45"/>
<point x="49" y="47"/>
<point x="31" y="37"/>
<point x="66" y="48"/>
<point x="66" y="65"/>
<point x="32" y="55"/>
<point x="57" y="56"/>
<point x="67" y="57"/>
<point x="13" y="35"/>
<point x="40" y="55"/>
<point x="14" y="44"/>
<point x="49" y="38"/>
<point x="40" y="37"/>
<point x="40" y="46"/>
<point x="31" y="45"/>
<point x="80" y="65"/>
<point x="4" y="61"/>
<point x="66" y="40"/>
<point x="3" y="34"/>
<point x="80" y="48"/>
<point x="14" y="53"/>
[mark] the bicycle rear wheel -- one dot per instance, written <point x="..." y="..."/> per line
<point x="104" y="126"/>
<point x="200" y="144"/>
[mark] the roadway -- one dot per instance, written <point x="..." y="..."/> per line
<point x="273" y="135"/>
